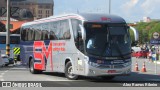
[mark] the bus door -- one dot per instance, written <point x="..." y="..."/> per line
<point x="79" y="57"/>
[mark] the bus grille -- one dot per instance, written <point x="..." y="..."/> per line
<point x="111" y="66"/>
<point x="118" y="66"/>
<point x="104" y="66"/>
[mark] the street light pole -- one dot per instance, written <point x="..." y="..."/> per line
<point x="8" y="29"/>
<point x="109" y="6"/>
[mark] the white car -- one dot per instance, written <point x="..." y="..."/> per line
<point x="5" y="59"/>
<point x="136" y="49"/>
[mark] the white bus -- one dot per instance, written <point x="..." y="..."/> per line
<point x="78" y="44"/>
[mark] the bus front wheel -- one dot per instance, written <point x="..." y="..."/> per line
<point x="31" y="68"/>
<point x="69" y="72"/>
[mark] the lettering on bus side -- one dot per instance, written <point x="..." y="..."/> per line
<point x="40" y="51"/>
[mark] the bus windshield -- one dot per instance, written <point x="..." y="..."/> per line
<point x="107" y="40"/>
<point x="13" y="39"/>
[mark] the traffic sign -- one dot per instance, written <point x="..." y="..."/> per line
<point x="155" y="35"/>
<point x="155" y="40"/>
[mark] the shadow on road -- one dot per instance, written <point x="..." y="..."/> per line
<point x="99" y="82"/>
<point x="12" y="67"/>
<point x="134" y="77"/>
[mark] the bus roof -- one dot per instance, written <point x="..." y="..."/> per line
<point x="88" y="17"/>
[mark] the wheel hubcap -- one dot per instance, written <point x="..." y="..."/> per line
<point x="70" y="72"/>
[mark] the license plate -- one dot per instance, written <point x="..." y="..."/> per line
<point x="111" y="71"/>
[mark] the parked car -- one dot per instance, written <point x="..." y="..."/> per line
<point x="1" y="62"/>
<point x="136" y="49"/>
<point x="139" y="54"/>
<point x="11" y="60"/>
<point x="5" y="59"/>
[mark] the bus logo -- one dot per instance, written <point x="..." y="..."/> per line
<point x="41" y="55"/>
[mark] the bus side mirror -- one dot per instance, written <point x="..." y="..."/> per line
<point x="82" y="32"/>
<point x="136" y="36"/>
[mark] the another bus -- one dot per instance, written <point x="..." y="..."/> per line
<point x="78" y="44"/>
<point x="14" y="43"/>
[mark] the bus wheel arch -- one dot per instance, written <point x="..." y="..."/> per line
<point x="31" y="67"/>
<point x="30" y="58"/>
<point x="69" y="70"/>
<point x="66" y="61"/>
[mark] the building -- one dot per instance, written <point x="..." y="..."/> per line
<point x="24" y="16"/>
<point x="39" y="8"/>
<point x="15" y="25"/>
<point x="146" y="19"/>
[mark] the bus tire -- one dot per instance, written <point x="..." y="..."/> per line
<point x="68" y="72"/>
<point x="107" y="77"/>
<point x="31" y="68"/>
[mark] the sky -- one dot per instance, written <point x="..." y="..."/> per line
<point x="130" y="10"/>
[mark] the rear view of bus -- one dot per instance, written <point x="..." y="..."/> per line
<point x="91" y="45"/>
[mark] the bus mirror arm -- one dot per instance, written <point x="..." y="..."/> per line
<point x="83" y="33"/>
<point x="136" y="36"/>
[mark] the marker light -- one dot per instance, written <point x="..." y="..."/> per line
<point x="105" y="19"/>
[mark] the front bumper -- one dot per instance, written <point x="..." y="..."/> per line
<point x="93" y="71"/>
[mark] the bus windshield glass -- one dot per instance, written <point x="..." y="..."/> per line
<point x="108" y="40"/>
<point x="13" y="39"/>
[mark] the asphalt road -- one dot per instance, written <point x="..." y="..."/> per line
<point x="21" y="73"/>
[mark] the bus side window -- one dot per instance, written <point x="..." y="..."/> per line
<point x="55" y="30"/>
<point x="77" y="38"/>
<point x="65" y="30"/>
<point x="67" y="35"/>
<point x="23" y="34"/>
<point x="53" y="36"/>
<point x="45" y="35"/>
<point x="37" y="34"/>
<point x="26" y="34"/>
<point x="30" y="34"/>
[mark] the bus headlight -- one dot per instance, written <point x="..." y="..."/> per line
<point x="94" y="64"/>
<point x="127" y="64"/>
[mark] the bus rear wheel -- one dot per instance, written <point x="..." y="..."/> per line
<point x="31" y="68"/>
<point x="69" y="72"/>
